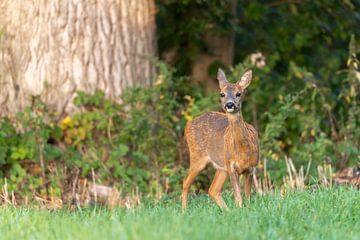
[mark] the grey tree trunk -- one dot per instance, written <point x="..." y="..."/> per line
<point x="53" y="48"/>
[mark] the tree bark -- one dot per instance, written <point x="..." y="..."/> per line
<point x="53" y="48"/>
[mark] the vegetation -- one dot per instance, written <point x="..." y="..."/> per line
<point x="138" y="143"/>
<point x="311" y="35"/>
<point x="304" y="100"/>
<point x="313" y="214"/>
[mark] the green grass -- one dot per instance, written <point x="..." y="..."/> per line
<point x="318" y="214"/>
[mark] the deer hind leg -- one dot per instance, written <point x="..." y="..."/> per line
<point x="216" y="186"/>
<point x="194" y="170"/>
<point x="248" y="183"/>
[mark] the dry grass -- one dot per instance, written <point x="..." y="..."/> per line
<point x="84" y="193"/>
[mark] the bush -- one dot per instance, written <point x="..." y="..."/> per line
<point x="137" y="142"/>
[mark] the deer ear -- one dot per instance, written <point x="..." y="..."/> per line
<point x="221" y="78"/>
<point x="245" y="79"/>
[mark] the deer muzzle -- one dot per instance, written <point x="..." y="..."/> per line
<point x="230" y="107"/>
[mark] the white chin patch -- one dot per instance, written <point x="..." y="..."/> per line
<point x="230" y="110"/>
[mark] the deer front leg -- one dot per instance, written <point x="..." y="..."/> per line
<point x="215" y="188"/>
<point x="189" y="179"/>
<point x="234" y="178"/>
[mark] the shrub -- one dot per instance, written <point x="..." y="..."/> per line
<point x="137" y="142"/>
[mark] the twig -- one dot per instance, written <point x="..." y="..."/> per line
<point x="93" y="179"/>
<point x="74" y="199"/>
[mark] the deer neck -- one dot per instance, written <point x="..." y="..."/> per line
<point x="236" y="120"/>
<point x="236" y="125"/>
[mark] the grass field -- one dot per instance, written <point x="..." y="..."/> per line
<point x="317" y="214"/>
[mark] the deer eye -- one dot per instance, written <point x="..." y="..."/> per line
<point x="238" y="94"/>
<point x="222" y="95"/>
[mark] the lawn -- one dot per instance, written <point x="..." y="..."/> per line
<point x="332" y="213"/>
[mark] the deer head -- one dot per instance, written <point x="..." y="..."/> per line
<point x="231" y="94"/>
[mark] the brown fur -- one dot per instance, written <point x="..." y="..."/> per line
<point x="226" y="141"/>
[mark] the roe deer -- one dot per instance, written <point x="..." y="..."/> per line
<point x="225" y="140"/>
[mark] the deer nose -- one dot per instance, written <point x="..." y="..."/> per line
<point x="230" y="105"/>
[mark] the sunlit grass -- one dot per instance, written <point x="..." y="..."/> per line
<point x="313" y="214"/>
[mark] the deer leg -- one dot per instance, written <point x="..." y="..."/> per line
<point x="216" y="186"/>
<point x="248" y="183"/>
<point x="234" y="178"/>
<point x="188" y="180"/>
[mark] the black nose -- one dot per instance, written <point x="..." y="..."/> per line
<point x="230" y="105"/>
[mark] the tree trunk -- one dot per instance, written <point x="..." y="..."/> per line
<point x="53" y="48"/>
<point x="220" y="52"/>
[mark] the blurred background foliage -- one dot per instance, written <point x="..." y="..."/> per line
<point x="303" y="99"/>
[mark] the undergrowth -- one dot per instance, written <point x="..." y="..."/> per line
<point x="136" y="144"/>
